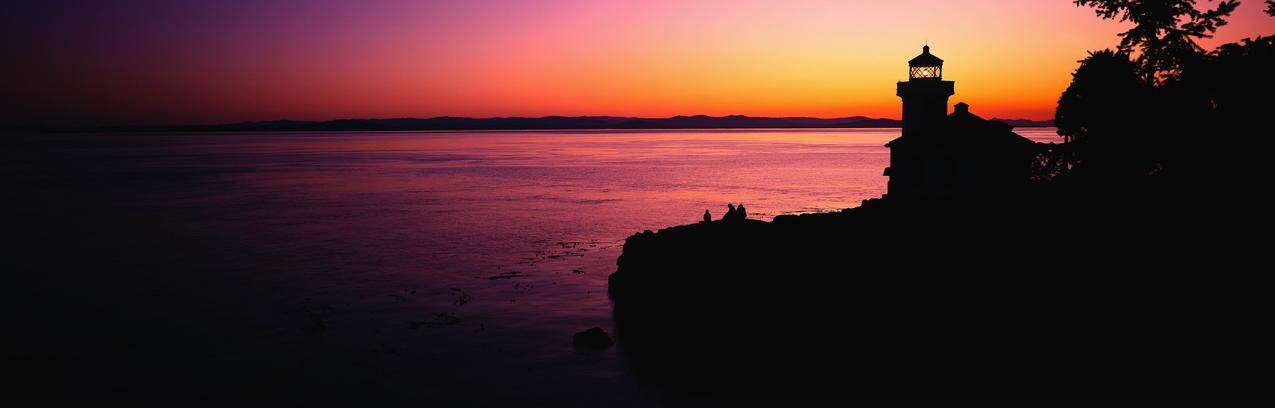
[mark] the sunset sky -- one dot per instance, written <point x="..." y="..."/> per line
<point x="139" y="62"/>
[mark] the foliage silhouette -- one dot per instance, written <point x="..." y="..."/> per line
<point x="1236" y="98"/>
<point x="1164" y="31"/>
<point x="1100" y="115"/>
<point x="1108" y="121"/>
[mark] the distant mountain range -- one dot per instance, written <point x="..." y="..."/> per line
<point x="544" y="123"/>
<point x="1025" y="122"/>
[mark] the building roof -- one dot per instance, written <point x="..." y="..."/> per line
<point x="963" y="130"/>
<point x="925" y="59"/>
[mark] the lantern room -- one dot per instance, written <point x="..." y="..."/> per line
<point x="925" y="66"/>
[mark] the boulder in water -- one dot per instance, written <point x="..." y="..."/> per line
<point x="594" y="338"/>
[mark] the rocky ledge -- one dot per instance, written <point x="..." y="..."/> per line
<point x="1026" y="295"/>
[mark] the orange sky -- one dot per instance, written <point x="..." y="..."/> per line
<point x="190" y="62"/>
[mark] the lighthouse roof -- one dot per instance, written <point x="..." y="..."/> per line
<point x="925" y="59"/>
<point x="963" y="130"/>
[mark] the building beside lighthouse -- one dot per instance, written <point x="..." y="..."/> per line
<point x="941" y="155"/>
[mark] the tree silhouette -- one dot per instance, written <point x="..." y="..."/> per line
<point x="1270" y="7"/>
<point x="1101" y="115"/>
<point x="1164" y="31"/>
<point x="1233" y="96"/>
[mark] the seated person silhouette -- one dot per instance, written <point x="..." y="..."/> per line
<point x="730" y="212"/>
<point x="740" y="213"/>
<point x="708" y="217"/>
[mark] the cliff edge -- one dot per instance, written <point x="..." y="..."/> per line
<point x="1031" y="294"/>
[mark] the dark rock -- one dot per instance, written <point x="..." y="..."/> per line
<point x="594" y="338"/>
<point x="462" y="297"/>
<point x="940" y="296"/>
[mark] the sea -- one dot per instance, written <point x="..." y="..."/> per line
<point x="441" y="266"/>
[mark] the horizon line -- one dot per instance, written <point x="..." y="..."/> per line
<point x="141" y="126"/>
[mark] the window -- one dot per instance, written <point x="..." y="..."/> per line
<point x="927" y="72"/>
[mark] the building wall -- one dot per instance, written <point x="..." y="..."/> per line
<point x="935" y="174"/>
<point x="924" y="102"/>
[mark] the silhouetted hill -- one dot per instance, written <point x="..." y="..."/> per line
<point x="870" y="123"/>
<point x="740" y="121"/>
<point x="1025" y="122"/>
<point x="520" y="123"/>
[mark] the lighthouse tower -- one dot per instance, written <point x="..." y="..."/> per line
<point x="925" y="92"/>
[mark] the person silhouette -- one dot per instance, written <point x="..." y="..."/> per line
<point x="739" y="212"/>
<point x="730" y="212"/>
<point x="707" y="217"/>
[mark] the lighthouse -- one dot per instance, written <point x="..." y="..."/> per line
<point x="925" y="93"/>
<point x="940" y="156"/>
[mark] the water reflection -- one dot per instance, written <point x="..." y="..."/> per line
<point x="343" y="256"/>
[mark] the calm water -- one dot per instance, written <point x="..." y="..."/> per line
<point x="324" y="248"/>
